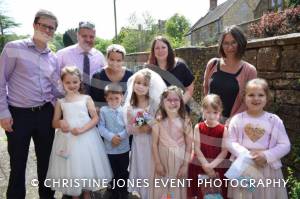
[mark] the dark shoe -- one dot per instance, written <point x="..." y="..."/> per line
<point x="123" y="195"/>
<point x="66" y="197"/>
<point x="109" y="194"/>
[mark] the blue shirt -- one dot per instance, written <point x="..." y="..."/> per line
<point x="111" y="124"/>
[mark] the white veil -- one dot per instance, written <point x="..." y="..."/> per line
<point x="156" y="88"/>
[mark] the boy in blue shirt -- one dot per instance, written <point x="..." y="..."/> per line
<point x="113" y="129"/>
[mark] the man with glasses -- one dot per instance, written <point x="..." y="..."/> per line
<point x="83" y="54"/>
<point x="29" y="84"/>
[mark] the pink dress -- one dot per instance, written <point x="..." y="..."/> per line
<point x="266" y="133"/>
<point x="171" y="149"/>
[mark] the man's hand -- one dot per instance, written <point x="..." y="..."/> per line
<point x="6" y="124"/>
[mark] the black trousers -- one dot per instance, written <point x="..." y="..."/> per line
<point x="119" y="165"/>
<point x="29" y="123"/>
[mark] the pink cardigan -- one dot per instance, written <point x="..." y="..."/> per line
<point x="248" y="72"/>
<point x="279" y="144"/>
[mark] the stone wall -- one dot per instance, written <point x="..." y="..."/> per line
<point x="276" y="59"/>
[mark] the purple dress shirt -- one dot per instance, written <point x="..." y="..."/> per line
<point x="73" y="56"/>
<point x="28" y="77"/>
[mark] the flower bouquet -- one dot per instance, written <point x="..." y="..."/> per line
<point x="141" y="118"/>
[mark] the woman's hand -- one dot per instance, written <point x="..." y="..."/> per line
<point x="64" y="126"/>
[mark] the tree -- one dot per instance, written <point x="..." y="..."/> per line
<point x="294" y="3"/>
<point x="57" y="42"/>
<point x="137" y="36"/>
<point x="70" y="37"/>
<point x="6" y="23"/>
<point x="102" y="44"/>
<point x="176" y="27"/>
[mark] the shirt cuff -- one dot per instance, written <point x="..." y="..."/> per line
<point x="5" y="114"/>
<point x="123" y="134"/>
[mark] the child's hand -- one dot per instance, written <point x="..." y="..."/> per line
<point x="209" y="170"/>
<point x="98" y="110"/>
<point x="145" y="129"/>
<point x="77" y="131"/>
<point x="64" y="126"/>
<point x="159" y="169"/>
<point x="253" y="172"/>
<point x="182" y="171"/>
<point x="259" y="158"/>
<point x="116" y="140"/>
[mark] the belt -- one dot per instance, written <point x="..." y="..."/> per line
<point x="32" y="109"/>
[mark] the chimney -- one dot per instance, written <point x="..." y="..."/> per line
<point x="212" y="4"/>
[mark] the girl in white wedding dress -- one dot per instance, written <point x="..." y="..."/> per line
<point x="143" y="96"/>
<point x="78" y="159"/>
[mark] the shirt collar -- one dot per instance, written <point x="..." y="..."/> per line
<point x="79" y="50"/>
<point x="119" y="109"/>
<point x="30" y="43"/>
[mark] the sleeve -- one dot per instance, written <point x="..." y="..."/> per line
<point x="282" y="146"/>
<point x="93" y="84"/>
<point x="232" y="142"/>
<point x="95" y="91"/>
<point x="102" y="60"/>
<point x="59" y="56"/>
<point x="211" y="63"/>
<point x="104" y="132"/>
<point x="7" y="65"/>
<point x="252" y="74"/>
<point x="186" y="74"/>
<point x="57" y="86"/>
<point x="123" y="134"/>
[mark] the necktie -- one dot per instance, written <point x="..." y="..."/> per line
<point x="86" y="73"/>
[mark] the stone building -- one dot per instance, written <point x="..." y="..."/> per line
<point x="232" y="12"/>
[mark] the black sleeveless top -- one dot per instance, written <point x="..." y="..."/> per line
<point x="226" y="86"/>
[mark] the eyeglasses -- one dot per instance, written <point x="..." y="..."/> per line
<point x="228" y="44"/>
<point x="45" y="27"/>
<point x="172" y="100"/>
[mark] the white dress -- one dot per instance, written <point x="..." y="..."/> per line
<point x="80" y="161"/>
<point x="141" y="164"/>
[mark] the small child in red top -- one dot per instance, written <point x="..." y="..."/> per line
<point x="209" y="148"/>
